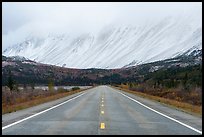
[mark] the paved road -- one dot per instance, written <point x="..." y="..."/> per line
<point x="104" y="110"/>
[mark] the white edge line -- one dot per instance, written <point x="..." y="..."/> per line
<point x="17" y="122"/>
<point x="162" y="114"/>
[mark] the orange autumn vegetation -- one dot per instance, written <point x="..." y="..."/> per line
<point x="187" y="107"/>
<point x="17" y="100"/>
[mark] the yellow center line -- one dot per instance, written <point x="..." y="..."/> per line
<point x="102" y="125"/>
<point x="102" y="112"/>
<point x="102" y="105"/>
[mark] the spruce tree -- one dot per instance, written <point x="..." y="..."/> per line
<point x="10" y="82"/>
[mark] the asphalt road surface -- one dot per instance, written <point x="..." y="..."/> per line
<point x="104" y="110"/>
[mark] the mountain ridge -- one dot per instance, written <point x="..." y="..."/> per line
<point x="26" y="71"/>
<point x="114" y="46"/>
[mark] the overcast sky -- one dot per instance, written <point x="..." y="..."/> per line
<point x="56" y="17"/>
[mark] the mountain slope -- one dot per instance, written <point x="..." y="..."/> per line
<point x="27" y="71"/>
<point x="115" y="46"/>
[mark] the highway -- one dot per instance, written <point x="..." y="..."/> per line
<point x="106" y="111"/>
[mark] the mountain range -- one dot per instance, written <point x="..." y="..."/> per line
<point x="114" y="46"/>
<point x="27" y="71"/>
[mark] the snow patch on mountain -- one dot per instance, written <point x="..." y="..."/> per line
<point x="115" y="46"/>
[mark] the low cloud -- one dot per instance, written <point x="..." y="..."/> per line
<point x="40" y="19"/>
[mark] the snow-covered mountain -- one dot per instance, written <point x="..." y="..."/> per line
<point x="115" y="46"/>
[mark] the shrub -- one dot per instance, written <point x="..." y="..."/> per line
<point x="61" y="90"/>
<point x="51" y="85"/>
<point x="75" y="88"/>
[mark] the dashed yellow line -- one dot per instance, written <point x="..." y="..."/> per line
<point x="102" y="125"/>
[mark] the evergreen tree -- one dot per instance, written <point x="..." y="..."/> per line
<point x="10" y="82"/>
<point x="185" y="81"/>
<point x="32" y="85"/>
<point x="24" y="86"/>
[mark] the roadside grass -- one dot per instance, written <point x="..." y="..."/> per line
<point x="186" y="107"/>
<point x="22" y="103"/>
